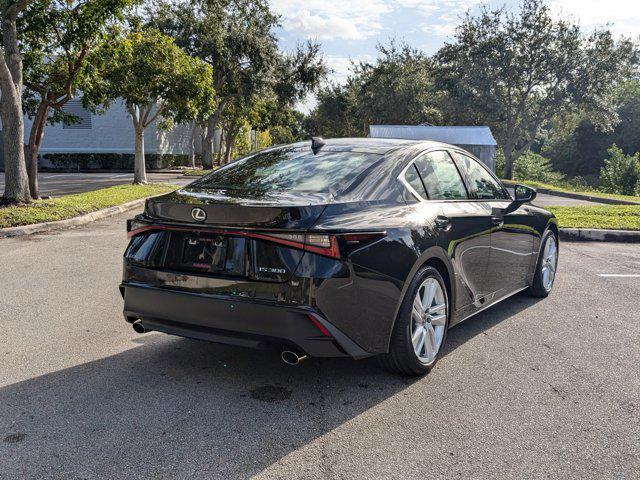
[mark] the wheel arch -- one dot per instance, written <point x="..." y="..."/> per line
<point x="437" y="258"/>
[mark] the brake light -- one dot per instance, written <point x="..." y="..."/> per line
<point x="313" y="242"/>
<point x="323" y="244"/>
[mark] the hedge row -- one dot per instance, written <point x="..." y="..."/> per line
<point x="113" y="161"/>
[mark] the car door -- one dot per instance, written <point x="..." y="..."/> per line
<point x="464" y="226"/>
<point x="512" y="233"/>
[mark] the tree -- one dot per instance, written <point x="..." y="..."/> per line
<point x="156" y="80"/>
<point x="57" y="37"/>
<point x="16" y="182"/>
<point x="519" y="71"/>
<point x="397" y="88"/>
<point x="235" y="37"/>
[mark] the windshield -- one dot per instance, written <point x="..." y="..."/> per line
<point x="289" y="170"/>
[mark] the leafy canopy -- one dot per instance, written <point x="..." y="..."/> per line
<point x="56" y="37"/>
<point x="517" y="71"/>
<point x="146" y="69"/>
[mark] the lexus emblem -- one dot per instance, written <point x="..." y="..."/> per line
<point x="198" y="214"/>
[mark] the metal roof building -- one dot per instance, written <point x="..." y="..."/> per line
<point x="477" y="140"/>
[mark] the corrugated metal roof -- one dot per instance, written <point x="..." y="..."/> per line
<point x="455" y="135"/>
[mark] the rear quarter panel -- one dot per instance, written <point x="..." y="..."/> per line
<point x="379" y="272"/>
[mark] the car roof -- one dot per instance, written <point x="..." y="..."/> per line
<point x="366" y="145"/>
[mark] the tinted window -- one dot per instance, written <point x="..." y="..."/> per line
<point x="290" y="170"/>
<point x="481" y="181"/>
<point x="440" y="176"/>
<point x="413" y="179"/>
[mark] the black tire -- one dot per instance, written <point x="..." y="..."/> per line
<point x="402" y="357"/>
<point x="537" y="288"/>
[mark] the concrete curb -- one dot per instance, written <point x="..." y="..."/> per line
<point x="71" y="222"/>
<point x="598" y="235"/>
<point x="579" y="196"/>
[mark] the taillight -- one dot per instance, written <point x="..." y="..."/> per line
<point x="330" y="245"/>
<point x="313" y="242"/>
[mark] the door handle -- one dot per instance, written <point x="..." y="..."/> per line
<point x="497" y="221"/>
<point x="442" y="222"/>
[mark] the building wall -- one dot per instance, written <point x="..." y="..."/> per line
<point x="485" y="153"/>
<point x="111" y="132"/>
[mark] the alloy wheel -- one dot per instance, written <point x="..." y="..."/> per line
<point x="428" y="320"/>
<point x="549" y="262"/>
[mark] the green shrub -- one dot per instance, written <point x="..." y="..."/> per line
<point x="113" y="161"/>
<point x="621" y="173"/>
<point x="499" y="163"/>
<point x="533" y="167"/>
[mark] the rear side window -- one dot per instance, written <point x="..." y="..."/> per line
<point x="413" y="178"/>
<point x="482" y="182"/>
<point x="440" y="176"/>
<point x="290" y="170"/>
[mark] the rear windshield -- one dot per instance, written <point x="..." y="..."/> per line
<point x="290" y="170"/>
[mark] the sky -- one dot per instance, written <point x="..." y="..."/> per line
<point x="351" y="29"/>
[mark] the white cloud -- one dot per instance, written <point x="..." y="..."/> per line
<point x="439" y="29"/>
<point x="439" y="8"/>
<point x="621" y="16"/>
<point x="353" y="20"/>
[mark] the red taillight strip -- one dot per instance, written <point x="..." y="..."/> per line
<point x="319" y="325"/>
<point x="333" y="251"/>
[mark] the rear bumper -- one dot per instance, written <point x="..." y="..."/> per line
<point x="235" y="321"/>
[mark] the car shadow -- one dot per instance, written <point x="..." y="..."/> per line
<point x="173" y="407"/>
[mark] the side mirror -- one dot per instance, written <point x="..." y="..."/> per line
<point x="524" y="194"/>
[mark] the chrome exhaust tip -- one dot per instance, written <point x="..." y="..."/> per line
<point x="138" y="327"/>
<point x="292" y="358"/>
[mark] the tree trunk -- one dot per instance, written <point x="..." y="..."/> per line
<point x="16" y="188"/>
<point x="139" y="169"/>
<point x="207" y="148"/>
<point x="507" y="150"/>
<point x="229" y="141"/>
<point x="33" y="148"/>
<point x="192" y="145"/>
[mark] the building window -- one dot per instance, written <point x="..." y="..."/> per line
<point x="81" y="114"/>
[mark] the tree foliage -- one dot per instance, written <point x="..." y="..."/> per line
<point x="621" y="173"/>
<point x="398" y="88"/>
<point x="520" y="70"/>
<point x="56" y="37"/>
<point x="155" y="79"/>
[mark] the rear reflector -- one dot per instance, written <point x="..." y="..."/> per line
<point x="319" y="325"/>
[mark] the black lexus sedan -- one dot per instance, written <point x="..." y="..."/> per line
<point x="350" y="247"/>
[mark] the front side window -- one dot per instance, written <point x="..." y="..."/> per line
<point x="484" y="185"/>
<point x="289" y="170"/>
<point x="440" y="176"/>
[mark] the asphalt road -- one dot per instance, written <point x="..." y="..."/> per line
<point x="57" y="184"/>
<point x="528" y="389"/>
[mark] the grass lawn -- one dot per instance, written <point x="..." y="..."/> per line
<point x="197" y="172"/>
<point x="568" y="188"/>
<point x="70" y="206"/>
<point x="617" y="217"/>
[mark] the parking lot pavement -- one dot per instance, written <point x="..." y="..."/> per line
<point x="56" y="184"/>
<point x="545" y="200"/>
<point x="527" y="389"/>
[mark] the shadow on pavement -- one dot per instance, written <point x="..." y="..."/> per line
<point x="173" y="407"/>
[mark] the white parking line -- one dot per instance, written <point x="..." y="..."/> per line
<point x="624" y="275"/>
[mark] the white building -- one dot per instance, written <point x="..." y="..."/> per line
<point x="109" y="133"/>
